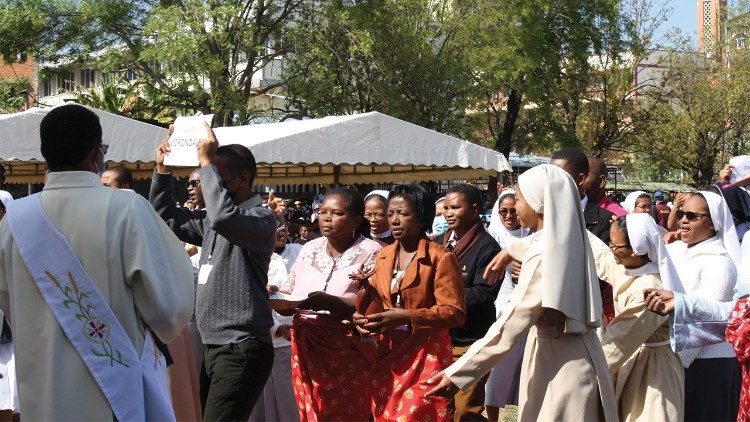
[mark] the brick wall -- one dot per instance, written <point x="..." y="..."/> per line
<point x="15" y="71"/>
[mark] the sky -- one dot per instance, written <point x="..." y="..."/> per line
<point x="684" y="17"/>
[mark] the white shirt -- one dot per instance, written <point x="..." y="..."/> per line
<point x="5" y="197"/>
<point x="278" y="271"/>
<point x="706" y="272"/>
<point x="137" y="263"/>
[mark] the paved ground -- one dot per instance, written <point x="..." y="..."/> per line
<point x="509" y="414"/>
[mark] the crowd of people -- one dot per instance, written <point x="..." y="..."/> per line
<point x="395" y="305"/>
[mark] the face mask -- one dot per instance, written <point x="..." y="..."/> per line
<point x="230" y="194"/>
<point x="439" y="225"/>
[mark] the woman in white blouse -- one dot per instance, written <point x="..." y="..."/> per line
<point x="706" y="260"/>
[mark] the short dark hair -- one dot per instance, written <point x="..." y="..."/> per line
<point x="471" y="193"/>
<point x="622" y="225"/>
<point x="240" y="159"/>
<point x="507" y="195"/>
<point x="355" y="205"/>
<point x="68" y="133"/>
<point x="575" y="157"/>
<point x="123" y="175"/>
<point x="420" y="199"/>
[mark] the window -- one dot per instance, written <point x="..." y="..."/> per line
<point x="740" y="42"/>
<point x="130" y="75"/>
<point x="88" y="78"/>
<point x="47" y="88"/>
<point x="66" y="82"/>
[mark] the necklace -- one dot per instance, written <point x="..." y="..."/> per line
<point x="398" y="276"/>
<point x="333" y="267"/>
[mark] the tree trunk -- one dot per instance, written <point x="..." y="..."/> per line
<point x="504" y="143"/>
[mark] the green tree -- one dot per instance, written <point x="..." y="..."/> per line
<point x="626" y="86"/>
<point x="398" y="57"/>
<point x="13" y="95"/>
<point x="195" y="54"/>
<point x="531" y="59"/>
<point x="706" y="117"/>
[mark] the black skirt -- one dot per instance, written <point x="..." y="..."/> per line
<point x="712" y="390"/>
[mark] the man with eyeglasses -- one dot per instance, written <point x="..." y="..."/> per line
<point x="195" y="193"/>
<point x="237" y="237"/>
<point x="85" y="272"/>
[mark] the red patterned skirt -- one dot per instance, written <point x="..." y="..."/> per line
<point x="404" y="362"/>
<point x="332" y="379"/>
<point x="339" y="376"/>
<point x="738" y="334"/>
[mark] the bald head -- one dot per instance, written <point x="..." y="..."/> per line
<point x="596" y="179"/>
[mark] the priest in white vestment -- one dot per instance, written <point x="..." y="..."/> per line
<point x="135" y="261"/>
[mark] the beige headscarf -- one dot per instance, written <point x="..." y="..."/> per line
<point x="569" y="282"/>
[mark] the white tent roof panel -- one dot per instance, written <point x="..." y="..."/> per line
<point x="363" y="148"/>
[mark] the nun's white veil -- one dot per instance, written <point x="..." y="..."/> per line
<point x="721" y="217"/>
<point x="629" y="203"/>
<point x="646" y="239"/>
<point x="569" y="281"/>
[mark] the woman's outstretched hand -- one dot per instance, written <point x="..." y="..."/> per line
<point x="441" y="385"/>
<point x="496" y="268"/>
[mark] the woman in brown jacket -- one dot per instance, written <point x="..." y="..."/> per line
<point x="417" y="288"/>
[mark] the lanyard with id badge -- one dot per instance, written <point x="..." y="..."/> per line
<point x="206" y="268"/>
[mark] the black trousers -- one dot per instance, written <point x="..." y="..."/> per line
<point x="712" y="390"/>
<point x="232" y="378"/>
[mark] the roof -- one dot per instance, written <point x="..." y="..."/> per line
<point x="362" y="148"/>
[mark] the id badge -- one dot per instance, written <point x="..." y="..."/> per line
<point x="204" y="272"/>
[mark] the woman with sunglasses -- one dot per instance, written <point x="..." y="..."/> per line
<point x="647" y="375"/>
<point x="707" y="258"/>
<point x="502" y="385"/>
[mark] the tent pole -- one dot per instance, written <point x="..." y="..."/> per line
<point x="336" y="175"/>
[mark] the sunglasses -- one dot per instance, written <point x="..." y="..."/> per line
<point x="691" y="216"/>
<point x="193" y="183"/>
<point x="506" y="211"/>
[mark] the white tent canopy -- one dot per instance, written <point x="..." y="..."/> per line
<point x="128" y="141"/>
<point x="363" y="148"/>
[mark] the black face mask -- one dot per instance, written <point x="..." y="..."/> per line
<point x="224" y="185"/>
<point x="232" y="195"/>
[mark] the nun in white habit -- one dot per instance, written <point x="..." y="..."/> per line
<point x="648" y="376"/>
<point x="502" y="385"/>
<point x="707" y="259"/>
<point x="630" y="202"/>
<point x="556" y="308"/>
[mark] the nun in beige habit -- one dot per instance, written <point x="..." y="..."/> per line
<point x="648" y="376"/>
<point x="556" y="306"/>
